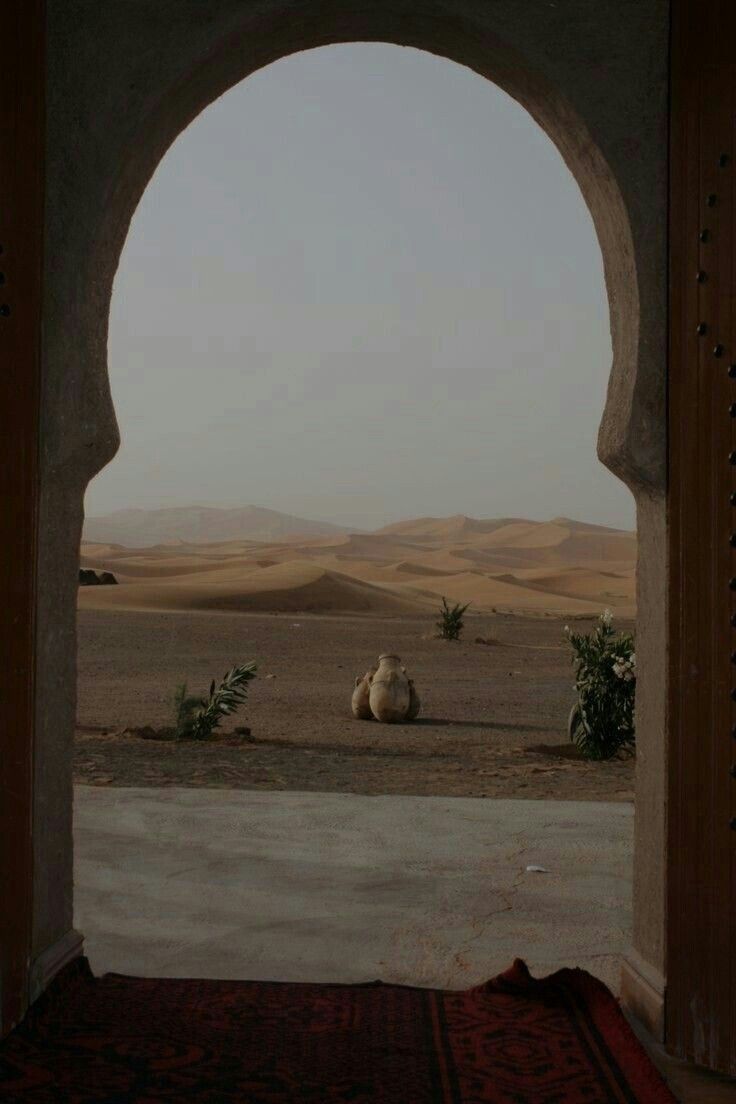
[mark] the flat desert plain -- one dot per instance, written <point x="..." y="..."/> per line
<point x="313" y="613"/>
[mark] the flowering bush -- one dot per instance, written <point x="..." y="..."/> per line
<point x="602" y="720"/>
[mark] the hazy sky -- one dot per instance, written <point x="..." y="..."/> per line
<point x="362" y="286"/>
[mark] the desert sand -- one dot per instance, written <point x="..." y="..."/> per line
<point x="493" y="720"/>
<point x="561" y="567"/>
<point x="316" y="610"/>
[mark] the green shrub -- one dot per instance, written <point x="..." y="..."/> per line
<point x="197" y="718"/>
<point x="450" y="623"/>
<point x="602" y="721"/>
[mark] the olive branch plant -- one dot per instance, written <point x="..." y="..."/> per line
<point x="451" y="622"/>
<point x="197" y="718"/>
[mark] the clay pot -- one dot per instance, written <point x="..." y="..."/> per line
<point x="414" y="702"/>
<point x="360" y="704"/>
<point x="389" y="695"/>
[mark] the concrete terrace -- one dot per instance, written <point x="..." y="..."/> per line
<point x="427" y="891"/>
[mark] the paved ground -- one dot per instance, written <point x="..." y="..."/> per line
<point x="339" y="887"/>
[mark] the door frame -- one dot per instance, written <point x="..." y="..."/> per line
<point x="22" y="87"/>
<point x="700" y="1009"/>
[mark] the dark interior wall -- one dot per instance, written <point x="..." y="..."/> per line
<point x="21" y="266"/>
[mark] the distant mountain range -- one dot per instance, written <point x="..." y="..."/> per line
<point x="201" y="525"/>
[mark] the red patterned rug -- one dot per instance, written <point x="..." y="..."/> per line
<point x="514" y="1040"/>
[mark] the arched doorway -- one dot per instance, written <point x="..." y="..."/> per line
<point x="176" y="325"/>
<point x="157" y="73"/>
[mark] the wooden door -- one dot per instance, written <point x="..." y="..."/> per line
<point x="701" y="953"/>
<point x="21" y="230"/>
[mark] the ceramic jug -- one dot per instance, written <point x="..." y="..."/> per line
<point x="360" y="704"/>
<point x="389" y="696"/>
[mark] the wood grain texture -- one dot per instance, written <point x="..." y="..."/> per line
<point x="21" y="238"/>
<point x="701" y="954"/>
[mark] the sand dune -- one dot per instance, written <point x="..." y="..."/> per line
<point x="450" y="528"/>
<point x="504" y="593"/>
<point x="406" y="567"/>
<point x="560" y="567"/>
<point x="290" y="587"/>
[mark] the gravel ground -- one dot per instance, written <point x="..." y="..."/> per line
<point x="493" y="720"/>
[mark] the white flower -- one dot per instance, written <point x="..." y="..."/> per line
<point x="632" y="659"/>
<point x="607" y="617"/>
